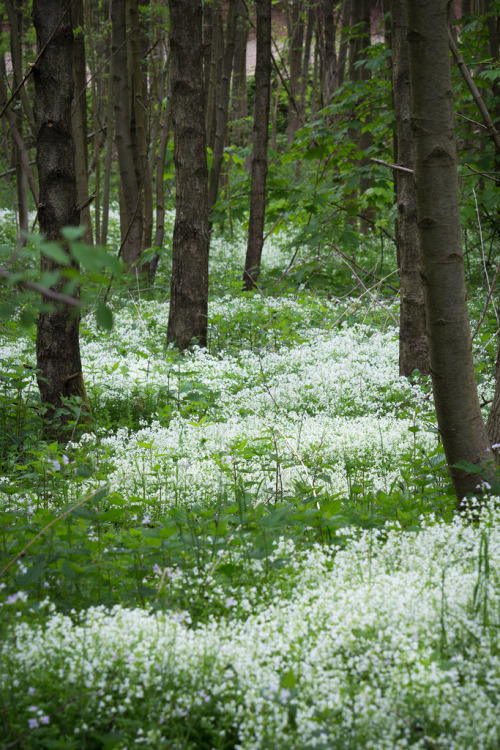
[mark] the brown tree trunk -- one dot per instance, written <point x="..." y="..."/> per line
<point x="328" y="54"/>
<point x="295" y="66"/>
<point x="80" y="117"/>
<point x="131" y="209"/>
<point x="239" y="105"/>
<point x="222" y="113"/>
<point x="139" y="125"/>
<point x="58" y="351"/>
<point x="455" y="392"/>
<point x="260" y="142"/>
<point x="214" y="16"/>
<point x="339" y="76"/>
<point x="413" y="341"/>
<point x="359" y="43"/>
<point x="188" y="315"/>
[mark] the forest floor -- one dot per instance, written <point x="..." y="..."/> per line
<point x="256" y="544"/>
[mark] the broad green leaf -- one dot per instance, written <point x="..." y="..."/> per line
<point x="54" y="251"/>
<point x="104" y="316"/>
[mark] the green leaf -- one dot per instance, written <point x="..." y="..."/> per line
<point x="468" y="467"/>
<point x="68" y="571"/>
<point x="54" y="251"/>
<point x="73" y="233"/>
<point x="288" y="680"/>
<point x="27" y="319"/>
<point x="32" y="574"/>
<point x="104" y="316"/>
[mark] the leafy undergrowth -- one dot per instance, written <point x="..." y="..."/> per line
<point x="254" y="546"/>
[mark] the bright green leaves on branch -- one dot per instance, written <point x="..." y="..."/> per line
<point x="76" y="272"/>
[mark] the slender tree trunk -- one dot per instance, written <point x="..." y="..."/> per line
<point x="338" y="78"/>
<point x="16" y="36"/>
<point x="239" y="106"/>
<point x="58" y="351"/>
<point x="413" y="341"/>
<point x="159" y="176"/>
<point x="306" y="61"/>
<point x="80" y="116"/>
<point x="327" y="33"/>
<point x="188" y="315"/>
<point x="455" y="392"/>
<point x="295" y="66"/>
<point x="139" y="124"/>
<point x="260" y="142"/>
<point x="359" y="43"/>
<point x="223" y="104"/>
<point x="131" y="211"/>
<point x="216" y="52"/>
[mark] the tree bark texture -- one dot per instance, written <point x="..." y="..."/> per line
<point x="260" y="143"/>
<point x="58" y="350"/>
<point x="131" y="208"/>
<point x="327" y="48"/>
<point x="359" y="43"/>
<point x="222" y="109"/>
<point x="413" y="341"/>
<point x="188" y="313"/>
<point x="80" y="117"/>
<point x="239" y="108"/>
<point x="295" y="66"/>
<point x="455" y="392"/>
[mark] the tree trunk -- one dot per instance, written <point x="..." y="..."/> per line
<point x="223" y="104"/>
<point x="188" y="313"/>
<point x="216" y="51"/>
<point x="260" y="141"/>
<point x="139" y="125"/>
<point x="239" y="105"/>
<point x="131" y="210"/>
<point x="359" y="42"/>
<point x="455" y="392"/>
<point x="306" y="60"/>
<point x="328" y="54"/>
<point x="58" y="351"/>
<point x="413" y="341"/>
<point x="338" y="78"/>
<point x="80" y="117"/>
<point x="295" y="65"/>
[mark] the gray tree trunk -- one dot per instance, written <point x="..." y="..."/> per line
<point x="260" y="143"/>
<point x="413" y="341"/>
<point x="187" y="321"/>
<point x="58" y="350"/>
<point x="455" y="392"/>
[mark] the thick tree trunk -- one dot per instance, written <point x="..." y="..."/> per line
<point x="455" y="391"/>
<point x="413" y="341"/>
<point x="260" y="142"/>
<point x="188" y="315"/>
<point x="58" y="351"/>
